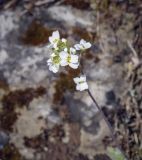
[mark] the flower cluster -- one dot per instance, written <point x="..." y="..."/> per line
<point x="63" y="55"/>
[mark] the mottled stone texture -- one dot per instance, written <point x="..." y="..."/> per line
<point x="23" y="56"/>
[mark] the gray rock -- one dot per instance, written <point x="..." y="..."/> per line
<point x="4" y="138"/>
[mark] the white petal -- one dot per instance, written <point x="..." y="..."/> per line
<point x="49" y="61"/>
<point x="63" y="62"/>
<point x="78" y="47"/>
<point x="66" y="50"/>
<point x="74" y="58"/>
<point x="76" y="80"/>
<point x="54" y="68"/>
<point x="63" y="55"/>
<point x="82" y="78"/>
<point x="51" y="39"/>
<point x="55" y="45"/>
<point x="73" y="50"/>
<point x="82" y="41"/>
<point x="64" y="40"/>
<point x="56" y="35"/>
<point x="53" y="55"/>
<point x="78" y="87"/>
<point x="83" y="86"/>
<point x="87" y="45"/>
<point x="74" y="65"/>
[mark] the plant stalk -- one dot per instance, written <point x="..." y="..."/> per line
<point x="107" y="122"/>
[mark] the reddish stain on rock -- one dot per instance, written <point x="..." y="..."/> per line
<point x="79" y="4"/>
<point x="36" y="34"/>
<point x="13" y="99"/>
<point x="65" y="82"/>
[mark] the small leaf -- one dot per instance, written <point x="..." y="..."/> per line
<point x="115" y="154"/>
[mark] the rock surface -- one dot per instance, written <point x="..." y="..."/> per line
<point x="23" y="65"/>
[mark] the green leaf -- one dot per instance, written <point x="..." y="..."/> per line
<point x="115" y="154"/>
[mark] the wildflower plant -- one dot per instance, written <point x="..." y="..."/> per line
<point x="63" y="55"/>
<point x="81" y="83"/>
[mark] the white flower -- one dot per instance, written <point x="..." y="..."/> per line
<point x="72" y="50"/>
<point x="54" y="38"/>
<point x="53" y="67"/>
<point x="69" y="59"/>
<point x="63" y="40"/>
<point x="53" y="63"/>
<point x="81" y="83"/>
<point x="82" y="45"/>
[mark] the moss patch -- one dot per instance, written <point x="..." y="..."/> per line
<point x="82" y="33"/>
<point x="36" y="34"/>
<point x="65" y="82"/>
<point x="22" y="97"/>
<point x="3" y="85"/>
<point x="79" y="4"/>
<point x="10" y="152"/>
<point x="102" y="6"/>
<point x="19" y="98"/>
<point x="101" y="157"/>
